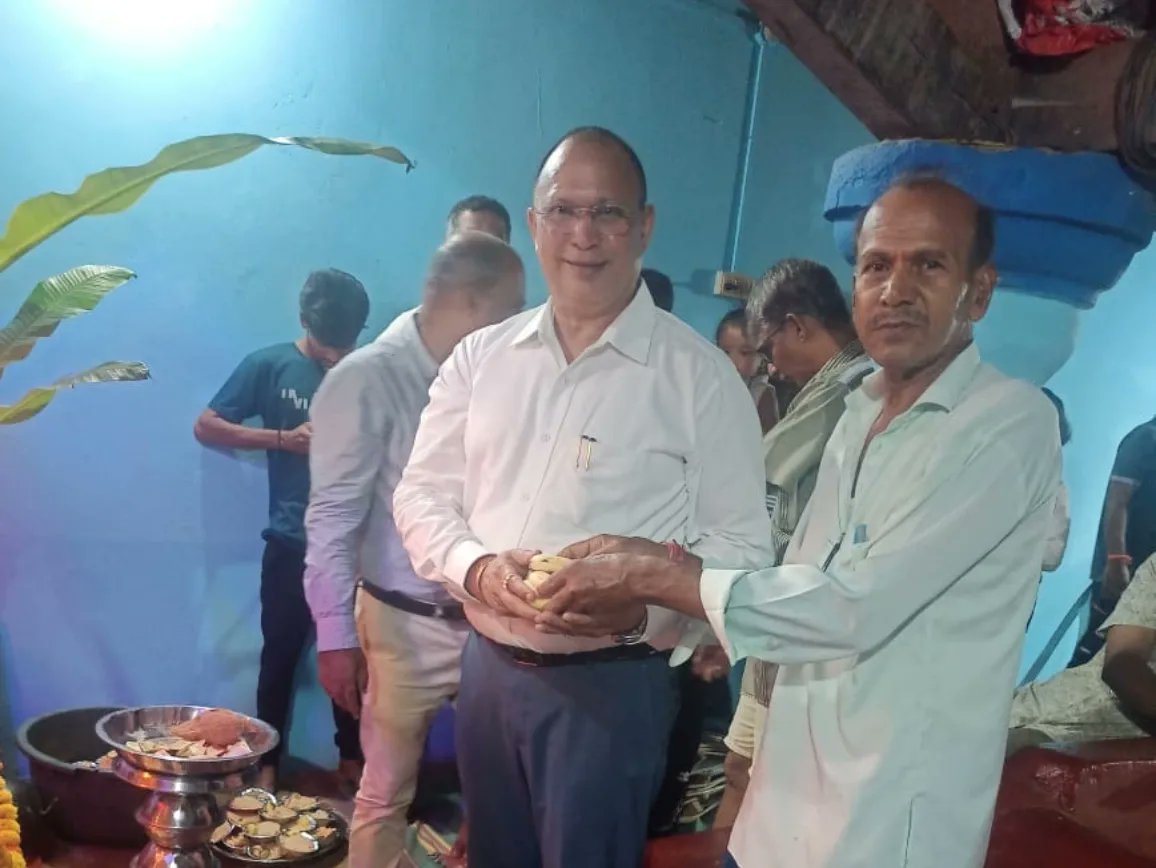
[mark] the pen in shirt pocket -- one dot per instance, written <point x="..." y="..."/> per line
<point x="586" y="445"/>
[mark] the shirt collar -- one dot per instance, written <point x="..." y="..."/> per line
<point x="412" y="335"/>
<point x="630" y="333"/>
<point x="533" y="327"/>
<point x="945" y="392"/>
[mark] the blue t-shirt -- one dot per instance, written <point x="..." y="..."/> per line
<point x="276" y="385"/>
<point x="1136" y="462"/>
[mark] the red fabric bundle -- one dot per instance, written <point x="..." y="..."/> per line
<point x="1060" y="27"/>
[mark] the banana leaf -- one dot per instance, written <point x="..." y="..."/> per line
<point x="115" y="190"/>
<point x="54" y="300"/>
<point x="37" y="399"/>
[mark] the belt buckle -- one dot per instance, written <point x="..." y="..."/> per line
<point x="439" y="612"/>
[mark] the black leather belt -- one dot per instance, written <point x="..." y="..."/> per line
<point x="613" y="654"/>
<point x="404" y="603"/>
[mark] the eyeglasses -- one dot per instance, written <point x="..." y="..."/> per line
<point x="767" y="345"/>
<point x="607" y="220"/>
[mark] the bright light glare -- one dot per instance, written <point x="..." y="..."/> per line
<point x="145" y="22"/>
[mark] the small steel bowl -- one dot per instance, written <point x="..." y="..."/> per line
<point x="222" y="831"/>
<point x="257" y="793"/>
<point x="269" y="812"/>
<point x="262" y="803"/>
<point x="258" y="853"/>
<point x="306" y="823"/>
<point x="263" y="839"/>
<point x="314" y="845"/>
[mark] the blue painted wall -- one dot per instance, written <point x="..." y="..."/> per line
<point x="129" y="554"/>
<point x="1109" y="387"/>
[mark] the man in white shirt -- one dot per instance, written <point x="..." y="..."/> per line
<point x="898" y="615"/>
<point x="596" y="412"/>
<point x="403" y="635"/>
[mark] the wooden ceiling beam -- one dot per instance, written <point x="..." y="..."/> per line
<point x="897" y="65"/>
<point x="1073" y="108"/>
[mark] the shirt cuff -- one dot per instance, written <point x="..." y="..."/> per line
<point x="337" y="633"/>
<point x="714" y="590"/>
<point x="664" y="628"/>
<point x="694" y="634"/>
<point x="463" y="556"/>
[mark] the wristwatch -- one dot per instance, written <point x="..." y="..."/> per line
<point x="633" y="637"/>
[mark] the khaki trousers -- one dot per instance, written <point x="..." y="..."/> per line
<point x="414" y="665"/>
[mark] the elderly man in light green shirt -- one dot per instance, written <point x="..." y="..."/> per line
<point x="898" y="614"/>
<point x="800" y="322"/>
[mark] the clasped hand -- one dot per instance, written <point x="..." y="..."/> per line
<point x="594" y="596"/>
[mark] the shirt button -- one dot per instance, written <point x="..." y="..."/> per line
<point x="525" y="498"/>
<point x="545" y="438"/>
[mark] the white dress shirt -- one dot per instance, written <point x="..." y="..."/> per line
<point x="364" y="419"/>
<point x="897" y="620"/>
<point x="672" y="451"/>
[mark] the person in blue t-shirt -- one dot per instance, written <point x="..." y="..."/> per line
<point x="275" y="385"/>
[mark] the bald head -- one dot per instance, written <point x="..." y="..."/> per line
<point x="474" y="280"/>
<point x="474" y="263"/>
<point x="609" y="145"/>
<point x="967" y="212"/>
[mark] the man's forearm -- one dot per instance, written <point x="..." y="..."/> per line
<point x="229" y="435"/>
<point x="659" y="582"/>
<point x="1134" y="683"/>
<point x="1115" y="530"/>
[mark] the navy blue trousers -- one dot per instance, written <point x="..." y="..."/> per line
<point x="286" y="625"/>
<point x="560" y="765"/>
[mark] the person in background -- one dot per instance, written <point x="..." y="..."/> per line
<point x="1127" y="533"/>
<point x="488" y="215"/>
<point x="276" y="385"/>
<point x="1057" y="542"/>
<point x="399" y="636"/>
<point x="697" y="692"/>
<point x="731" y="337"/>
<point x="800" y="323"/>
<point x="1111" y="696"/>
<point x="562" y="740"/>
<point x="479" y="214"/>
<point x="897" y="615"/>
<point x="661" y="289"/>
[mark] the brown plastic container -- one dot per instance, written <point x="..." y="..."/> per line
<point x="89" y="806"/>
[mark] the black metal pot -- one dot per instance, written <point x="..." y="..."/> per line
<point x="91" y="806"/>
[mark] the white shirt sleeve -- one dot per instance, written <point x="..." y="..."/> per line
<point x="729" y="519"/>
<point x="350" y="419"/>
<point x="427" y="504"/>
<point x="1057" y="541"/>
<point x="730" y="525"/>
<point x="797" y="613"/>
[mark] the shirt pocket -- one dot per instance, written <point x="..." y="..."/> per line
<point x="626" y="486"/>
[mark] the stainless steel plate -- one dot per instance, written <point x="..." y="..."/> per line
<point x="328" y="846"/>
<point x="155" y="720"/>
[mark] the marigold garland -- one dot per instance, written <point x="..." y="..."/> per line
<point x="10" y="853"/>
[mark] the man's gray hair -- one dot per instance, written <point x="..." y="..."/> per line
<point x="799" y="287"/>
<point x="473" y="262"/>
